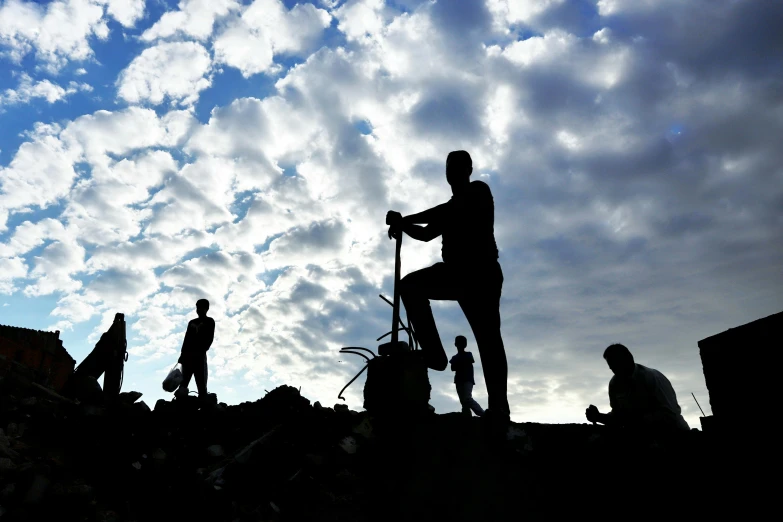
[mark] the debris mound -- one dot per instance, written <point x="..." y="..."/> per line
<point x="283" y="458"/>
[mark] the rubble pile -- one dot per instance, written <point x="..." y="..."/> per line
<point x="281" y="458"/>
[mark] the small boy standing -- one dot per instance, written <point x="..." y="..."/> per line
<point x="462" y="366"/>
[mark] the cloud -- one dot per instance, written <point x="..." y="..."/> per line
<point x="94" y="136"/>
<point x="315" y="244"/>
<point x="121" y="287"/>
<point x="28" y="236"/>
<point x="177" y="71"/>
<point x="61" y="30"/>
<point x="10" y="269"/>
<point x="26" y="91"/>
<point x="194" y="18"/>
<point x="358" y="18"/>
<point x="266" y="29"/>
<point x="44" y="161"/>
<point x="55" y="267"/>
<point x="126" y="12"/>
<point x="105" y="208"/>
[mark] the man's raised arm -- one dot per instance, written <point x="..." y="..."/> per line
<point x="426" y="216"/>
<point x="410" y="224"/>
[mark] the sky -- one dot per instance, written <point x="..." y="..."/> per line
<point x="153" y="153"/>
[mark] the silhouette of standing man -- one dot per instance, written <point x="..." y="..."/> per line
<point x="198" y="339"/>
<point x="462" y="366"/>
<point x="469" y="274"/>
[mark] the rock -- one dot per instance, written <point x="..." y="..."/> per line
<point x="216" y="450"/>
<point x="7" y="452"/>
<point x="8" y="491"/>
<point x="364" y="428"/>
<point x="141" y="407"/>
<point x="341" y="407"/>
<point x="315" y="460"/>
<point x="108" y="516"/>
<point x="129" y="397"/>
<point x="91" y="410"/>
<point x="90" y="391"/>
<point x="80" y="490"/>
<point x="136" y="465"/>
<point x="6" y="464"/>
<point x="159" y="454"/>
<point x="317" y="405"/>
<point x="12" y="430"/>
<point x="244" y="455"/>
<point x="349" y="445"/>
<point x="29" y="402"/>
<point x="37" y="489"/>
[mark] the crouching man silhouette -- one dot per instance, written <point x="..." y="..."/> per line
<point x="641" y="398"/>
<point x="469" y="274"/>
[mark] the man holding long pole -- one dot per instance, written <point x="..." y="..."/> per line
<point x="469" y="274"/>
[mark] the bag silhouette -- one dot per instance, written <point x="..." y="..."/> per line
<point x="173" y="379"/>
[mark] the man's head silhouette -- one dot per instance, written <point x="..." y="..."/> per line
<point x="202" y="305"/>
<point x="460" y="342"/>
<point x="459" y="167"/>
<point x="620" y="360"/>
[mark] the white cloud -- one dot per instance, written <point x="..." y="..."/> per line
<point x="195" y="18"/>
<point x="93" y="136"/>
<point x="361" y="17"/>
<point x="178" y="71"/>
<point x="266" y="29"/>
<point x="75" y="308"/>
<point x="126" y="12"/>
<point x="61" y="30"/>
<point x="104" y="209"/>
<point x="538" y="49"/>
<point x="55" y="267"/>
<point x="10" y="269"/>
<point x="30" y="235"/>
<point x="26" y="91"/>
<point x="508" y="12"/>
<point x="42" y="162"/>
<point x="121" y="288"/>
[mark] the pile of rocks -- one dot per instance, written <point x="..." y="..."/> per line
<point x="281" y="458"/>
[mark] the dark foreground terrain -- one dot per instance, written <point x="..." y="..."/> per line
<point x="281" y="458"/>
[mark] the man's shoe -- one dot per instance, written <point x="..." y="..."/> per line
<point x="496" y="424"/>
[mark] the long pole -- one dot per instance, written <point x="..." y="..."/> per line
<point x="699" y="405"/>
<point x="396" y="306"/>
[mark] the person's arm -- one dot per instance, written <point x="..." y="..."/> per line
<point x="608" y="419"/>
<point x="593" y="415"/>
<point x="209" y="334"/>
<point x="421" y="233"/>
<point x="426" y="216"/>
<point x="186" y="342"/>
<point x="432" y="217"/>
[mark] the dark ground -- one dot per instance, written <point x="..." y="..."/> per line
<point x="280" y="458"/>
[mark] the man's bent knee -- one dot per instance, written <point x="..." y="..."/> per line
<point x="407" y="287"/>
